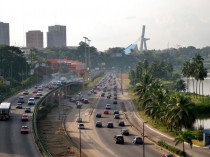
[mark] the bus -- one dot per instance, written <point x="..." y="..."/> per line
<point x="5" y="110"/>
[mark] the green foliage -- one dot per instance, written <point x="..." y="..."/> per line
<point x="170" y="148"/>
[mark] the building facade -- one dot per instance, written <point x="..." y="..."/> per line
<point x="34" y="39"/>
<point x="56" y="36"/>
<point x="4" y="34"/>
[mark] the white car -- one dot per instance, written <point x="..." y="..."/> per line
<point x="31" y="101"/>
<point x="108" y="106"/>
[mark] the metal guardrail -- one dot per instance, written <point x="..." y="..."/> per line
<point x="37" y="137"/>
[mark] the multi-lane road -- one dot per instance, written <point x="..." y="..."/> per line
<point x="99" y="141"/>
<point x="12" y="142"/>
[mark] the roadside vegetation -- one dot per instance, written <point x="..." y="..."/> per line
<point x="163" y="98"/>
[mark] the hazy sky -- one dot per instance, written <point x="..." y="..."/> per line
<point x="112" y="23"/>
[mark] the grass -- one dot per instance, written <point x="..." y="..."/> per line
<point x="198" y="143"/>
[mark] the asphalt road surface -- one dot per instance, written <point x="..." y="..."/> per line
<point x="12" y="142"/>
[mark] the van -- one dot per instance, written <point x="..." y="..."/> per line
<point x="21" y="99"/>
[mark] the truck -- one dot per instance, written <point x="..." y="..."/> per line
<point x="5" y="108"/>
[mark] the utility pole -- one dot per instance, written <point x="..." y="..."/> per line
<point x="143" y="140"/>
<point x="85" y="51"/>
<point x="89" y="61"/>
<point x="121" y="81"/>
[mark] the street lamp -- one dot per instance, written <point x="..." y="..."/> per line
<point x="85" y="50"/>
<point x="143" y="139"/>
<point x="89" y="62"/>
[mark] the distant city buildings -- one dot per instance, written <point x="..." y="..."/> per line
<point x="4" y="34"/>
<point x="56" y="36"/>
<point x="34" y="39"/>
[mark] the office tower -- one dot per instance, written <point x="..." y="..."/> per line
<point x="4" y="33"/>
<point x="56" y="36"/>
<point x="34" y="39"/>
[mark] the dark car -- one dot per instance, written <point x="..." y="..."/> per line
<point x="27" y="110"/>
<point x="121" y="123"/>
<point x="116" y="116"/>
<point x="168" y="155"/>
<point x="98" y="115"/>
<point x="119" y="139"/>
<point x="85" y="101"/>
<point x="137" y="140"/>
<point x="102" y="94"/>
<point x="115" y="102"/>
<point x="125" y="132"/>
<point x="99" y="124"/>
<point x="110" y="125"/>
<point x="116" y="112"/>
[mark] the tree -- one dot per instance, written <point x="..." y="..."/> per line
<point x="181" y="111"/>
<point x="184" y="136"/>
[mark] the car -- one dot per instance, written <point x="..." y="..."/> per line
<point x="85" y="101"/>
<point x="99" y="124"/>
<point x="125" y="132"/>
<point x="81" y="126"/>
<point x="98" y="115"/>
<point x="37" y="96"/>
<point x="116" y="112"/>
<point x="167" y="155"/>
<point x="110" y="125"/>
<point x="40" y="88"/>
<point x="137" y="140"/>
<point x="21" y="99"/>
<point x="31" y="101"/>
<point x="25" y="92"/>
<point x="27" y="110"/>
<point x="24" y="130"/>
<point x="19" y="106"/>
<point x="116" y="116"/>
<point x="108" y="97"/>
<point x="115" y="102"/>
<point x="34" y="91"/>
<point x="119" y="139"/>
<point x="102" y="94"/>
<point x="106" y="112"/>
<point x="121" y="123"/>
<point x="115" y="97"/>
<point x="24" y="117"/>
<point x="108" y="106"/>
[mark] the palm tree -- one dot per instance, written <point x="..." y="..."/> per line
<point x="184" y="136"/>
<point x="181" y="111"/>
<point x="186" y="72"/>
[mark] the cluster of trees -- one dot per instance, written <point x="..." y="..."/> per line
<point x="194" y="69"/>
<point x="167" y="106"/>
<point x="175" y="110"/>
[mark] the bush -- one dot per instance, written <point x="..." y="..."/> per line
<point x="170" y="148"/>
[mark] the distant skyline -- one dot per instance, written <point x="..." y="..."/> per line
<point x="112" y="23"/>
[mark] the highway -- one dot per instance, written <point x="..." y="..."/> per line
<point x="99" y="141"/>
<point x="12" y="142"/>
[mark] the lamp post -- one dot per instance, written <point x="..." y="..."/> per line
<point x="143" y="139"/>
<point x="89" y="62"/>
<point x="85" y="50"/>
<point x="80" y="142"/>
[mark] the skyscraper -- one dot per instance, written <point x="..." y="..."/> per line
<point x="34" y="39"/>
<point x="56" y="36"/>
<point x="4" y="33"/>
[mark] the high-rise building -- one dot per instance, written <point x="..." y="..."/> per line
<point x="34" y="39"/>
<point x="56" y="36"/>
<point x="4" y="33"/>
